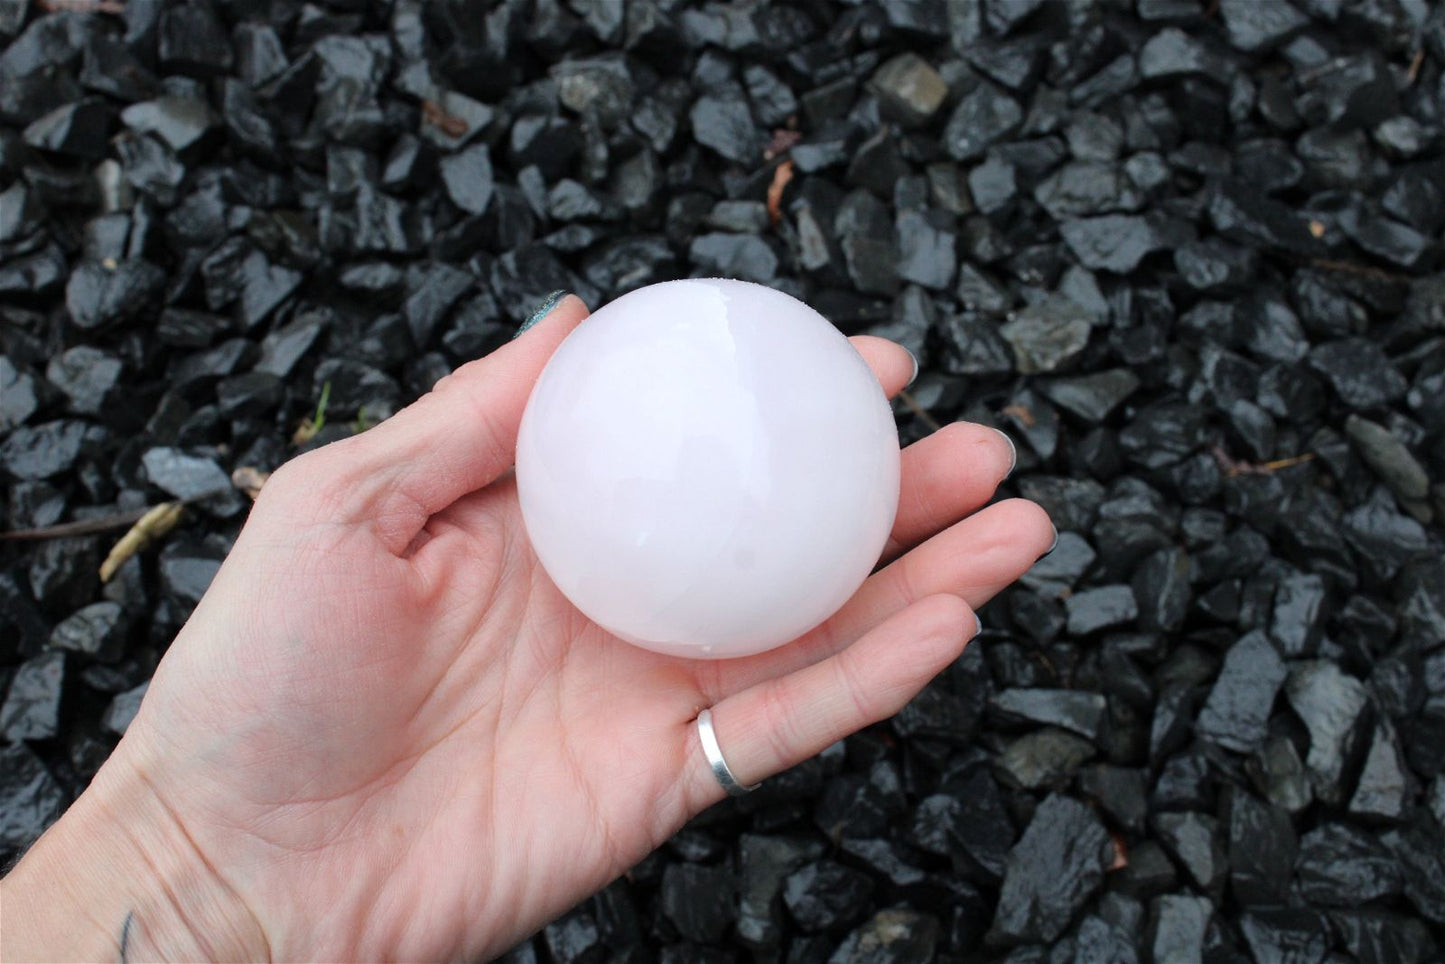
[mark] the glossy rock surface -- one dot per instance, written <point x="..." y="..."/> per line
<point x="707" y="468"/>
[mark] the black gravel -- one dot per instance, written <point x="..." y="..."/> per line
<point x="1186" y="253"/>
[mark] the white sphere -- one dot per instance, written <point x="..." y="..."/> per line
<point x="707" y="468"/>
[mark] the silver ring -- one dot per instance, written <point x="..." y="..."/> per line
<point x="713" y="752"/>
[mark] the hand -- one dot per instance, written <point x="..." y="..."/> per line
<point x="384" y="734"/>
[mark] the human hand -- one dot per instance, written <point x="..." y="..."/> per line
<point x="384" y="734"/>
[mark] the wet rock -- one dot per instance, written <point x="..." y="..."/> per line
<point x="1285" y="934"/>
<point x="1177" y="925"/>
<point x="1419" y="850"/>
<point x="18" y="400"/>
<point x="187" y="477"/>
<point x="1330" y="703"/>
<point x="983" y="117"/>
<point x="1091" y="397"/>
<point x="1119" y="242"/>
<point x="1381" y="937"/>
<point x="824" y="895"/>
<point x="86" y="376"/>
<point x="926" y="254"/>
<point x="725" y="124"/>
<point x="1052" y="872"/>
<point x="1081" y="713"/>
<point x="894" y="936"/>
<point x="1256" y="27"/>
<point x="182" y="122"/>
<point x="1047" y="335"/>
<point x="98" y="296"/>
<point x="698" y="900"/>
<point x="123" y="709"/>
<point x="1122" y="792"/>
<point x="1339" y="866"/>
<point x="1359" y="372"/>
<point x="909" y="89"/>
<point x="44" y="450"/>
<point x="1173" y="53"/>
<point x="75" y="130"/>
<point x="97" y="631"/>
<point x="1389" y="458"/>
<point x="30" y="798"/>
<point x="744" y="256"/>
<point x="884" y="860"/>
<point x="763" y="864"/>
<point x="1095" y="609"/>
<point x="1194" y="841"/>
<point x="1280" y="774"/>
<point x="1086" y="188"/>
<point x="31" y="710"/>
<point x="285" y="346"/>
<point x="467" y="176"/>
<point x="1236" y="713"/>
<point x="1385" y="787"/>
<point x="1046" y="758"/>
<point x="1162" y="590"/>
<point x="1262" y="850"/>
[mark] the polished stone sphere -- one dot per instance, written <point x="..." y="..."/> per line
<point x="707" y="468"/>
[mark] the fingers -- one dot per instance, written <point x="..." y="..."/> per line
<point x="890" y="361"/>
<point x="781" y="722"/>
<point x="972" y="560"/>
<point x="945" y="477"/>
<point x="453" y="440"/>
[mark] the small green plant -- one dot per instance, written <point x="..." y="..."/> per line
<point x="309" y="427"/>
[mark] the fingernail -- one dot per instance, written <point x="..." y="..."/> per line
<point x="541" y="311"/>
<point x="977" y="627"/>
<point x="1052" y="545"/>
<point x="914" y="377"/>
<point x="1013" y="452"/>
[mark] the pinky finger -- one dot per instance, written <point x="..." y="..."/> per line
<point x="781" y="722"/>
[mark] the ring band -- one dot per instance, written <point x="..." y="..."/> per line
<point x="713" y="752"/>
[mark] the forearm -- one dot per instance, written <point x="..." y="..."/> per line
<point x="117" y="879"/>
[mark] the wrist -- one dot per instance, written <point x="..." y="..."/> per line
<point x="119" y="878"/>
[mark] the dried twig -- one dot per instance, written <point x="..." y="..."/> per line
<point x="1234" y="467"/>
<point x="1415" y="63"/>
<point x="82" y="6"/>
<point x="782" y="142"/>
<point x="434" y="114"/>
<point x="157" y="521"/>
<point x="83" y="527"/>
<point x="1363" y="270"/>
<point x="918" y="410"/>
<point x="1021" y="412"/>
<point x="781" y="176"/>
<point x="249" y="480"/>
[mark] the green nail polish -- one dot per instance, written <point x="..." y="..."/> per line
<point x="541" y="311"/>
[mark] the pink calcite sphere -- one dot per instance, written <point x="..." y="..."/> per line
<point x="707" y="468"/>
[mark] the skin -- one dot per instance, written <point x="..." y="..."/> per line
<point x="384" y="734"/>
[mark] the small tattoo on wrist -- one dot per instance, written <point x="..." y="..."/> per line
<point x="125" y="936"/>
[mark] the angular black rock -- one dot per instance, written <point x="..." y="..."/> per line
<point x="1095" y="609"/>
<point x="1196" y="844"/>
<point x="44" y="450"/>
<point x="97" y="631"/>
<point x="1262" y="850"/>
<point x="99" y="296"/>
<point x="123" y="709"/>
<point x="894" y="936"/>
<point x="1082" y="713"/>
<point x="1177" y="925"/>
<point x="1382" y="937"/>
<point x="1236" y="713"/>
<point x="31" y="710"/>
<point x="763" y="864"/>
<point x="30" y="798"/>
<point x="699" y="900"/>
<point x="824" y="895"/>
<point x="1285" y="934"/>
<point x="983" y="116"/>
<point x="1053" y="870"/>
<point x="1341" y="866"/>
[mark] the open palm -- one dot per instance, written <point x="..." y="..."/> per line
<point x="393" y="738"/>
